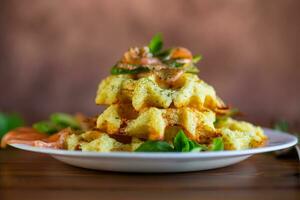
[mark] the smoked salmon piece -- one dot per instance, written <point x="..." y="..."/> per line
<point x="30" y="136"/>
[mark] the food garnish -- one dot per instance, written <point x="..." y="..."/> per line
<point x="155" y="103"/>
<point x="9" y="121"/>
<point x="181" y="143"/>
<point x="57" y="122"/>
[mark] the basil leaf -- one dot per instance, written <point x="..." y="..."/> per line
<point x="117" y="71"/>
<point x="65" y="120"/>
<point x="46" y="127"/>
<point x="164" y="55"/>
<point x="282" y="126"/>
<point x="217" y="144"/>
<point x="156" y="44"/>
<point x="57" y="122"/>
<point x="197" y="58"/>
<point x="9" y="122"/>
<point x="181" y="142"/>
<point x="155" y="146"/>
<point x="195" y="147"/>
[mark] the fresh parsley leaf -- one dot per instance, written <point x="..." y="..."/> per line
<point x="9" y="122"/>
<point x="195" y="147"/>
<point x="57" y="122"/>
<point x="47" y="127"/>
<point x="164" y="55"/>
<point x="181" y="142"/>
<point x="64" y="120"/>
<point x="156" y="44"/>
<point x="197" y="58"/>
<point x="115" y="70"/>
<point x="217" y="144"/>
<point x="155" y="146"/>
<point x="282" y="126"/>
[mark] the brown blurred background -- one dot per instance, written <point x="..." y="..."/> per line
<point x="54" y="53"/>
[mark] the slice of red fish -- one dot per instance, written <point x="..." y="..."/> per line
<point x="23" y="134"/>
<point x="31" y="137"/>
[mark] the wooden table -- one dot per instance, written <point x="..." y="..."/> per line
<point x="25" y="175"/>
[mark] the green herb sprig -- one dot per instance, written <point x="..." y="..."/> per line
<point x="217" y="145"/>
<point x="115" y="70"/>
<point x="9" y="121"/>
<point x="156" y="49"/>
<point x="57" y="122"/>
<point x="181" y="143"/>
<point x="155" y="146"/>
<point x="197" y="58"/>
<point x="156" y="44"/>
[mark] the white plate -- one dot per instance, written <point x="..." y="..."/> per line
<point x="163" y="162"/>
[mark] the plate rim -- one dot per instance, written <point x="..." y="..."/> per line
<point x="170" y="155"/>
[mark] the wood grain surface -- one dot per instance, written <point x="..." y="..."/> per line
<point x="25" y="175"/>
